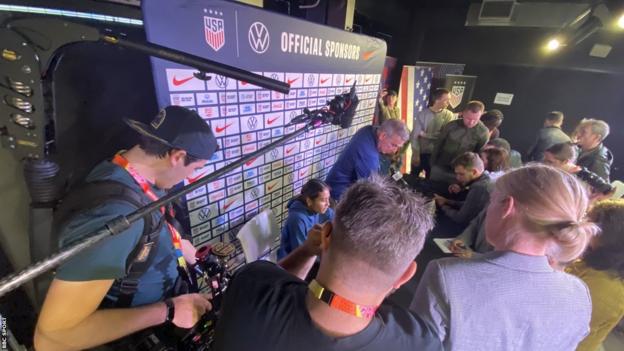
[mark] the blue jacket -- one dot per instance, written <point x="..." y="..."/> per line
<point x="358" y="160"/>
<point x="299" y="222"/>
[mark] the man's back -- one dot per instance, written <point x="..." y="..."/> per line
<point x="358" y="160"/>
<point x="546" y="137"/>
<point x="455" y="139"/>
<point x="265" y="309"/>
<point x="504" y="301"/>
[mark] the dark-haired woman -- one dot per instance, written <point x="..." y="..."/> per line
<point x="602" y="269"/>
<point x="304" y="211"/>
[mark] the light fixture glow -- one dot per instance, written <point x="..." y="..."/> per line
<point x="620" y="22"/>
<point x="553" y="44"/>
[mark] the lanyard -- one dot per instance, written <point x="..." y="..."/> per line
<point x="122" y="162"/>
<point x="340" y="303"/>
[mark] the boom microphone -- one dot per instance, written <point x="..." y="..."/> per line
<point x="339" y="111"/>
<point x="344" y="108"/>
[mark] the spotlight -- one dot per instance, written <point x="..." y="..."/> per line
<point x="553" y="44"/>
<point x="620" y="22"/>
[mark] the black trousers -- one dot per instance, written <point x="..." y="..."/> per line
<point x="425" y="164"/>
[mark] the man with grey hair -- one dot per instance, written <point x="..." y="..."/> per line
<point x="594" y="155"/>
<point x="366" y="252"/>
<point x="361" y="157"/>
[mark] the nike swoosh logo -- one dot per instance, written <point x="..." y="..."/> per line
<point x="226" y="206"/>
<point x="348" y="80"/>
<point x="270" y="121"/>
<point x="318" y="142"/>
<point x="290" y="150"/>
<point x="243" y="82"/>
<point x="194" y="179"/>
<point x="221" y="129"/>
<point x="302" y="173"/>
<point x="324" y="80"/>
<point x="272" y="186"/>
<point x="368" y="79"/>
<point x="248" y="163"/>
<point x="366" y="55"/>
<point x="179" y="82"/>
<point x="290" y="81"/>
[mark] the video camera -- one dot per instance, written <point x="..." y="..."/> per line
<point x="211" y="274"/>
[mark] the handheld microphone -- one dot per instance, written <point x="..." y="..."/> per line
<point x="398" y="177"/>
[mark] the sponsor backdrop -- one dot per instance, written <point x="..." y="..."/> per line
<point x="318" y="62"/>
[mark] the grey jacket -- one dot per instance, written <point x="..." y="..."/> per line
<point x="503" y="301"/>
<point x="546" y="137"/>
<point x="477" y="199"/>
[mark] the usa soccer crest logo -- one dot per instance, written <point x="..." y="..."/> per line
<point x="457" y="94"/>
<point x="214" y="30"/>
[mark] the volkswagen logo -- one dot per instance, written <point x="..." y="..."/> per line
<point x="259" y="37"/>
<point x="274" y="154"/>
<point x="204" y="214"/>
<point x="311" y="80"/>
<point x="274" y="76"/>
<point x="222" y="82"/>
<point x="252" y="122"/>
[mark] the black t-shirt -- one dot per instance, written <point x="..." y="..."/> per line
<point x="264" y="309"/>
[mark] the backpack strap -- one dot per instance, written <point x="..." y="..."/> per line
<point x="92" y="194"/>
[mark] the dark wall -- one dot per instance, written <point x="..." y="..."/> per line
<point x="536" y="90"/>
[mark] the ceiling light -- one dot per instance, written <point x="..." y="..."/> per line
<point x="553" y="44"/>
<point x="620" y="22"/>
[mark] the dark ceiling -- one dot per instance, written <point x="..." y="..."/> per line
<point x="435" y="30"/>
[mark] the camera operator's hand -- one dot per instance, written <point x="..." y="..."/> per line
<point x="189" y="308"/>
<point x="189" y="251"/>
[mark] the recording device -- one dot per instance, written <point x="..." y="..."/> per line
<point x="339" y="111"/>
<point x="595" y="181"/>
<point x="210" y="272"/>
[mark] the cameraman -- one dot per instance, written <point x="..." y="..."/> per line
<point x="366" y="253"/>
<point x="93" y="299"/>
<point x="564" y="155"/>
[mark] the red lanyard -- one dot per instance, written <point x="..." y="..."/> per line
<point x="122" y="162"/>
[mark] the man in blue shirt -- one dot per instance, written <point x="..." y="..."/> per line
<point x="360" y="157"/>
<point x="175" y="144"/>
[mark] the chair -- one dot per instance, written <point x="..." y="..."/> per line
<point x="619" y="189"/>
<point x="258" y="236"/>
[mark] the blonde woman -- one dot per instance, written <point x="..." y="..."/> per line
<point x="512" y="298"/>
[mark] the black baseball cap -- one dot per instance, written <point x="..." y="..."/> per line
<point x="180" y="128"/>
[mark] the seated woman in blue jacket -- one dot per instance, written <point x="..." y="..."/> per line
<point x="304" y="211"/>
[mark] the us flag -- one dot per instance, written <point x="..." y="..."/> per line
<point x="214" y="32"/>
<point x="413" y="96"/>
